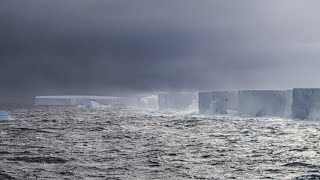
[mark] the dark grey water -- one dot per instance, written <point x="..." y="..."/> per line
<point x="70" y="143"/>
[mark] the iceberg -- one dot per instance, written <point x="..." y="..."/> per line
<point x="168" y="102"/>
<point x="76" y="100"/>
<point x="204" y="102"/>
<point x="218" y="102"/>
<point x="306" y="103"/>
<point x="4" y="116"/>
<point x="259" y="103"/>
<point x="287" y="111"/>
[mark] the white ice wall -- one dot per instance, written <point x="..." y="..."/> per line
<point x="217" y="102"/>
<point x="287" y="111"/>
<point x="306" y="103"/>
<point x="205" y="102"/>
<point x="260" y="103"/>
<point x="176" y="101"/>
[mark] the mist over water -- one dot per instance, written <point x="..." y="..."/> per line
<point x="74" y="143"/>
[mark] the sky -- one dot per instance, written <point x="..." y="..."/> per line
<point x="119" y="47"/>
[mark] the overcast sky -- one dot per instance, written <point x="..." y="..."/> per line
<point x="116" y="46"/>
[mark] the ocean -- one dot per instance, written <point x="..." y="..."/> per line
<point x="118" y="143"/>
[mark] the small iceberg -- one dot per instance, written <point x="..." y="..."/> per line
<point x="4" y="116"/>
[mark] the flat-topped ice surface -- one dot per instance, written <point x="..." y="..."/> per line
<point x="218" y="102"/>
<point x="78" y="96"/>
<point x="306" y="103"/>
<point x="138" y="101"/>
<point x="260" y="103"/>
<point x="75" y="100"/>
<point x="175" y="101"/>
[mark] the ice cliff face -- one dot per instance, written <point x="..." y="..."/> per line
<point x="306" y="103"/>
<point x="217" y="102"/>
<point x="301" y="103"/>
<point x="176" y="101"/>
<point x="260" y="103"/>
<point x="205" y="102"/>
<point x="287" y="111"/>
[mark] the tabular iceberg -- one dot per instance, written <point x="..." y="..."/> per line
<point x="176" y="101"/>
<point x="260" y="103"/>
<point x="306" y="103"/>
<point x="218" y="102"/>
<point x="76" y="100"/>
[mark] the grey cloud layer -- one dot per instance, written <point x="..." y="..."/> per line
<point x="106" y="46"/>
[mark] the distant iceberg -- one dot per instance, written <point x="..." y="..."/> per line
<point x="256" y="103"/>
<point x="259" y="103"/>
<point x="76" y="100"/>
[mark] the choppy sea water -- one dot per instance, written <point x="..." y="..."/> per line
<point x="71" y="143"/>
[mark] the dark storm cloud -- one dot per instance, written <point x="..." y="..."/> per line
<point x="103" y="47"/>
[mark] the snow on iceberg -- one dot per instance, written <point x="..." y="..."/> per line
<point x="306" y="103"/>
<point x="259" y="103"/>
<point x="218" y="102"/>
<point x="168" y="102"/>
